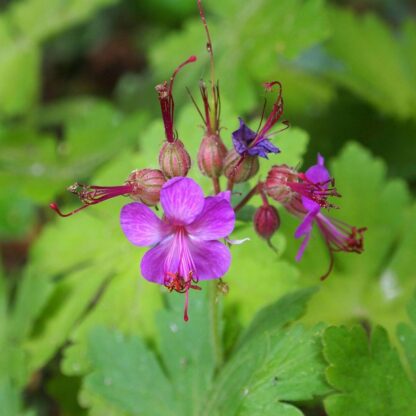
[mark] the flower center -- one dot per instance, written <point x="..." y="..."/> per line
<point x="180" y="268"/>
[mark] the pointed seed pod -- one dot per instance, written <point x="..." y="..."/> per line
<point x="266" y="221"/>
<point x="146" y="185"/>
<point x="174" y="160"/>
<point x="211" y="156"/>
<point x="240" y="168"/>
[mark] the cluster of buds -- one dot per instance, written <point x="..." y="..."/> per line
<point x="185" y="242"/>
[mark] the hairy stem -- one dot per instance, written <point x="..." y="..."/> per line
<point x="217" y="186"/>
<point x="247" y="198"/>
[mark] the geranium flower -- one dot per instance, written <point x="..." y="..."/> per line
<point x="248" y="142"/>
<point x="338" y="235"/>
<point x="185" y="241"/>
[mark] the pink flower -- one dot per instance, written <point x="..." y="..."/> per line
<point x="185" y="241"/>
<point x="306" y="203"/>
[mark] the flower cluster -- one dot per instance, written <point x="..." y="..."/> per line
<point x="185" y="241"/>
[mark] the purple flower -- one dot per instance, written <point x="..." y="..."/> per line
<point x="247" y="142"/>
<point x="338" y="235"/>
<point x="185" y="241"/>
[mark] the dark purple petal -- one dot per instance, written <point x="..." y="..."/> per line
<point x="262" y="148"/>
<point x="141" y="226"/>
<point x="242" y="137"/>
<point x="212" y="259"/>
<point x="215" y="221"/>
<point x="153" y="264"/>
<point x="182" y="200"/>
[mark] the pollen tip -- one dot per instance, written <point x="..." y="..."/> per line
<point x="54" y="207"/>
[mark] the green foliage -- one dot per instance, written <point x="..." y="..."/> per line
<point x="23" y="28"/>
<point x="368" y="376"/>
<point x="266" y="370"/>
<point x="287" y="28"/>
<point x="407" y="336"/>
<point x="384" y="77"/>
<point x="81" y="319"/>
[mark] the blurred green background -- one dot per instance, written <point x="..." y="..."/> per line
<point x="77" y="103"/>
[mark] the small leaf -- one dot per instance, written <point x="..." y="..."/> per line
<point x="368" y="375"/>
<point x="128" y="375"/>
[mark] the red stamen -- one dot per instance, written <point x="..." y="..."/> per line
<point x="316" y="191"/>
<point x="167" y="104"/>
<point x="274" y="116"/>
<point x="91" y="195"/>
<point x="176" y="282"/>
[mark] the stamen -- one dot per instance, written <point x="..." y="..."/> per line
<point x="176" y="282"/>
<point x="92" y="194"/>
<point x="167" y="104"/>
<point x="316" y="191"/>
<point x="274" y="116"/>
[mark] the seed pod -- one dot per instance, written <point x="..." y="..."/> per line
<point x="238" y="168"/>
<point x="276" y="185"/>
<point x="146" y="185"/>
<point x="174" y="160"/>
<point x="266" y="221"/>
<point x="211" y="156"/>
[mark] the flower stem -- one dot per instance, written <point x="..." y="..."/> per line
<point x="215" y="318"/>
<point x="230" y="184"/>
<point x="217" y="186"/>
<point x="247" y="198"/>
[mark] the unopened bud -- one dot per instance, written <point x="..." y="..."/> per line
<point x="266" y="221"/>
<point x="174" y="160"/>
<point x="211" y="156"/>
<point x="276" y="185"/>
<point x="146" y="185"/>
<point x="240" y="168"/>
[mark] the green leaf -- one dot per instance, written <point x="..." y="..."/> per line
<point x="191" y="350"/>
<point x="407" y="336"/>
<point x="390" y="88"/>
<point x="286" y="309"/>
<point x="11" y="400"/>
<point x="368" y="375"/>
<point x="23" y="27"/>
<point x="128" y="375"/>
<point x="277" y="367"/>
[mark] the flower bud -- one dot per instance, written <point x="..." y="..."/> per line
<point x="266" y="221"/>
<point x="240" y="168"/>
<point x="146" y="185"/>
<point x="211" y="156"/>
<point x="174" y="160"/>
<point x="276" y="185"/>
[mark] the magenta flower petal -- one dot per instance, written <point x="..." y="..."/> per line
<point x="182" y="200"/>
<point x="318" y="173"/>
<point x="141" y="226"/>
<point x="212" y="259"/>
<point x="305" y="226"/>
<point x="215" y="221"/>
<point x="153" y="265"/>
<point x="225" y="195"/>
<point x="303" y="246"/>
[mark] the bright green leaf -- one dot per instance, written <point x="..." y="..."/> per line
<point x="368" y="375"/>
